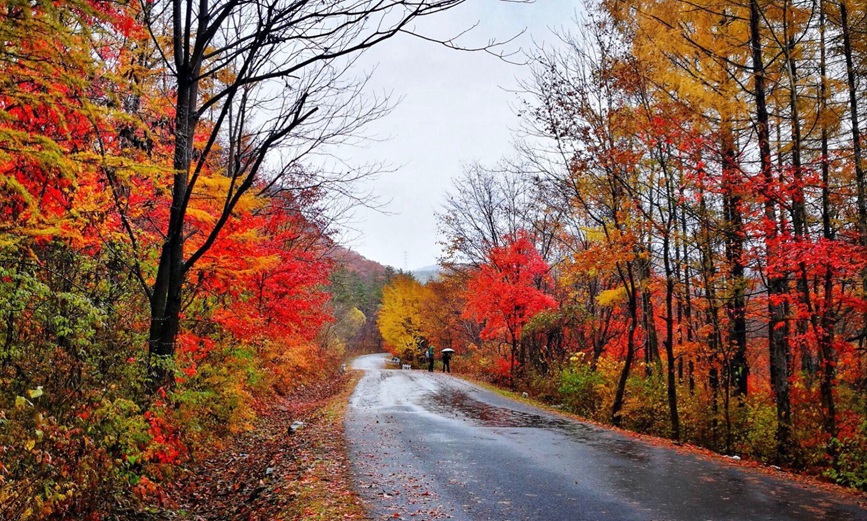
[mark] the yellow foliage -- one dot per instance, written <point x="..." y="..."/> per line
<point x="215" y="188"/>
<point x="610" y="297"/>
<point x="593" y="234"/>
<point x="666" y="28"/>
<point x="400" y="317"/>
<point x="201" y="215"/>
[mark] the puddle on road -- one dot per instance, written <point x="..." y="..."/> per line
<point x="457" y="403"/>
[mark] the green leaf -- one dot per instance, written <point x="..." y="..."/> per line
<point x="35" y="393"/>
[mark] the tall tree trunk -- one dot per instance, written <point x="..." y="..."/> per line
<point x="778" y="333"/>
<point x="734" y="251"/>
<point x="632" y="305"/>
<point x="167" y="292"/>
<point x="799" y="209"/>
<point x="860" y="186"/>
<point x="687" y="290"/>
<point x="851" y="83"/>
<point x="513" y="364"/>
<point x="714" y="335"/>
<point x="651" y="339"/>
<point x="669" y="331"/>
<point x="825" y="351"/>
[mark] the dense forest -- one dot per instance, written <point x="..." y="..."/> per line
<point x="167" y="267"/>
<point x="678" y="245"/>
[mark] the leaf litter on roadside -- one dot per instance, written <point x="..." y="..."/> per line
<point x="276" y="471"/>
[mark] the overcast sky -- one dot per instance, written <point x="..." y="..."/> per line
<point x="455" y="108"/>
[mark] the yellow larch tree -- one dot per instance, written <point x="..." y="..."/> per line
<point x="401" y="316"/>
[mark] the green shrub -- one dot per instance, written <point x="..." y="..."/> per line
<point x="755" y="427"/>
<point x="851" y="467"/>
<point x="582" y="390"/>
<point x="645" y="407"/>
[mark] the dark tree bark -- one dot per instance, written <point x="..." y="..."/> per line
<point x="778" y="326"/>
<point x="858" y="160"/>
<point x="825" y="337"/>
<point x="669" y="335"/>
<point x="651" y="339"/>
<point x="799" y="210"/>
<point x="628" y="279"/>
<point x="860" y="182"/>
<point x="645" y="275"/>
<point x="734" y="252"/>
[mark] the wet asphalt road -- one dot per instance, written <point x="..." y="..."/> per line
<point x="431" y="446"/>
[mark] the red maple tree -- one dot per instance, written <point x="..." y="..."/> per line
<point x="506" y="292"/>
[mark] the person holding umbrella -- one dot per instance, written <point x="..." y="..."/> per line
<point x="447" y="356"/>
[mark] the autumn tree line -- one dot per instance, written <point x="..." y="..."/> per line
<point x="678" y="244"/>
<point x="167" y="207"/>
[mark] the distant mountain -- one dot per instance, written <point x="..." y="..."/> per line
<point x="369" y="269"/>
<point x="427" y="273"/>
<point x="354" y="261"/>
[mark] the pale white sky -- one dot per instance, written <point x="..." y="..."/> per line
<point x="455" y="109"/>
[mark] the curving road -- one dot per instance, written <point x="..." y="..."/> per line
<point x="431" y="446"/>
